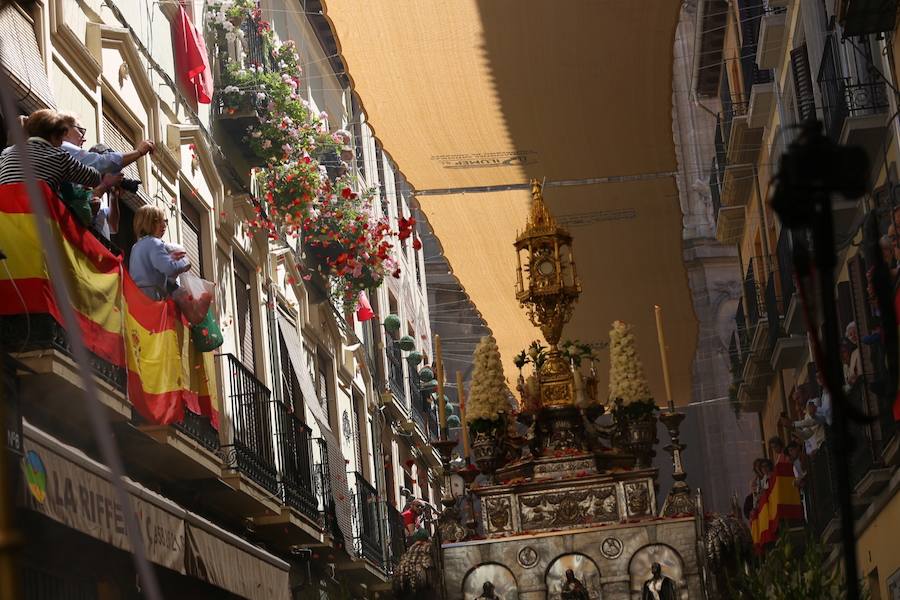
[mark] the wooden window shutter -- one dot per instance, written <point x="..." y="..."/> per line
<point x="21" y="59"/>
<point x="244" y="315"/>
<point x="803" y="83"/>
<point x="190" y="236"/>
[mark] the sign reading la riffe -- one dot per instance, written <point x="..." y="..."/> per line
<point x="77" y="497"/>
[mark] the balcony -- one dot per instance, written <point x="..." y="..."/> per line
<point x="324" y="496"/>
<point x="249" y="460"/>
<point x="297" y="476"/>
<point x="395" y="371"/>
<point x="41" y="344"/>
<point x="397" y="536"/>
<point x="366" y="520"/>
<point x="771" y="40"/>
<point x="855" y="110"/>
<point x="712" y="20"/>
<point x="821" y="494"/>
<point x="742" y="145"/>
<point x="299" y="519"/>
<point x="860" y="17"/>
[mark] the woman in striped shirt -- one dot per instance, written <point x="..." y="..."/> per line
<point x="46" y="130"/>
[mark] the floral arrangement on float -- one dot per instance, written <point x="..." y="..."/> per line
<point x="305" y="193"/>
<point x="487" y="405"/>
<point x="633" y="408"/>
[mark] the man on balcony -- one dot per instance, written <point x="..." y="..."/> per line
<point x="810" y="429"/>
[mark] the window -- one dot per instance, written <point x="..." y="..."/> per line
<point x="244" y="317"/>
<point x="121" y="139"/>
<point x="323" y="383"/>
<point x="803" y="86"/>
<point x="191" y="219"/>
<point x="21" y="58"/>
<point x="359" y="423"/>
<point x="291" y="394"/>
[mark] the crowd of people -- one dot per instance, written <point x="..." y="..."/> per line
<point x="90" y="182"/>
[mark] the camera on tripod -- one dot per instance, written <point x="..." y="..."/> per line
<point x="814" y="166"/>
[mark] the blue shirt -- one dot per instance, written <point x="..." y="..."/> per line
<point x="150" y="265"/>
<point x="108" y="162"/>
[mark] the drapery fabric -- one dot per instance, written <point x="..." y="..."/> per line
<point x="191" y="58"/>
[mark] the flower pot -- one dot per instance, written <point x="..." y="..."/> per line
<point x="407" y="343"/>
<point x="392" y="323"/>
<point x="426" y="374"/>
<point x="639" y="437"/>
<point x="414" y="358"/>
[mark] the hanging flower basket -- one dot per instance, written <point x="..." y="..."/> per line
<point x="407" y="343"/>
<point x="392" y="323"/>
<point x="414" y="358"/>
<point x="426" y="374"/>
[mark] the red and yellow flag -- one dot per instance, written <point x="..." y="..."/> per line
<point x="122" y="326"/>
<point x="779" y="501"/>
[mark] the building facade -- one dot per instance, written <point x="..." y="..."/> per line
<point x="765" y="68"/>
<point x="322" y="423"/>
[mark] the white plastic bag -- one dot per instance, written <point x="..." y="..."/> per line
<point x="193" y="296"/>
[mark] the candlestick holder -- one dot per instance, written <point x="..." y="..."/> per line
<point x="679" y="501"/>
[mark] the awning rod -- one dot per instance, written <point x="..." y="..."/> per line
<point x="558" y="183"/>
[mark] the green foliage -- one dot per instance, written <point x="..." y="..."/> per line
<point x="788" y="572"/>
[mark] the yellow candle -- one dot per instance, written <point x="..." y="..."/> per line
<point x="461" y="395"/>
<point x="663" y="355"/>
<point x="439" y="367"/>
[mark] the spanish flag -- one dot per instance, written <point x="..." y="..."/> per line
<point x="119" y="324"/>
<point x="780" y="501"/>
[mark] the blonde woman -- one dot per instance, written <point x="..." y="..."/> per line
<point x="151" y="264"/>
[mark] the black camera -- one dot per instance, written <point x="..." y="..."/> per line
<point x="130" y="185"/>
<point x="812" y="166"/>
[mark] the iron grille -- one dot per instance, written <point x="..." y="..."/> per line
<point x="295" y="453"/>
<point x="395" y="372"/>
<point x="251" y="451"/>
<point x="366" y="520"/>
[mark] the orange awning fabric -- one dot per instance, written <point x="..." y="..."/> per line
<point x="472" y="94"/>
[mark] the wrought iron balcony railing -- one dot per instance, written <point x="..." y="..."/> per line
<point x="774" y="311"/>
<point x="844" y="97"/>
<point x="21" y="333"/>
<point x="297" y="473"/>
<point x="324" y="497"/>
<point x="751" y="18"/>
<point x="251" y="451"/>
<point x="752" y="296"/>
<point x="396" y="535"/>
<point x="715" y="190"/>
<point x="200" y="429"/>
<point x="366" y="520"/>
<point x="820" y="489"/>
<point x="395" y="368"/>
<point x="421" y="408"/>
<point x="721" y="149"/>
<point x="785" y="259"/>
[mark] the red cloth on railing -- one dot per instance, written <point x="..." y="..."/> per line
<point x="191" y="58"/>
<point x="364" y="310"/>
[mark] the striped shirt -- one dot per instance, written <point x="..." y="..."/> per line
<point x="51" y="164"/>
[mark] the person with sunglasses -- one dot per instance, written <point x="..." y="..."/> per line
<point x="107" y="162"/>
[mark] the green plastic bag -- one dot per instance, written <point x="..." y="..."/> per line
<point x="206" y="334"/>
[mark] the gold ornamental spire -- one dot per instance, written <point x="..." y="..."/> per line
<point x="540" y="217"/>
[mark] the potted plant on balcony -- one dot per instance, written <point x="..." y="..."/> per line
<point x="407" y="343"/>
<point x="414" y="358"/>
<point x="426" y="374"/>
<point x="633" y="406"/>
<point x="351" y="245"/>
<point x="487" y="406"/>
